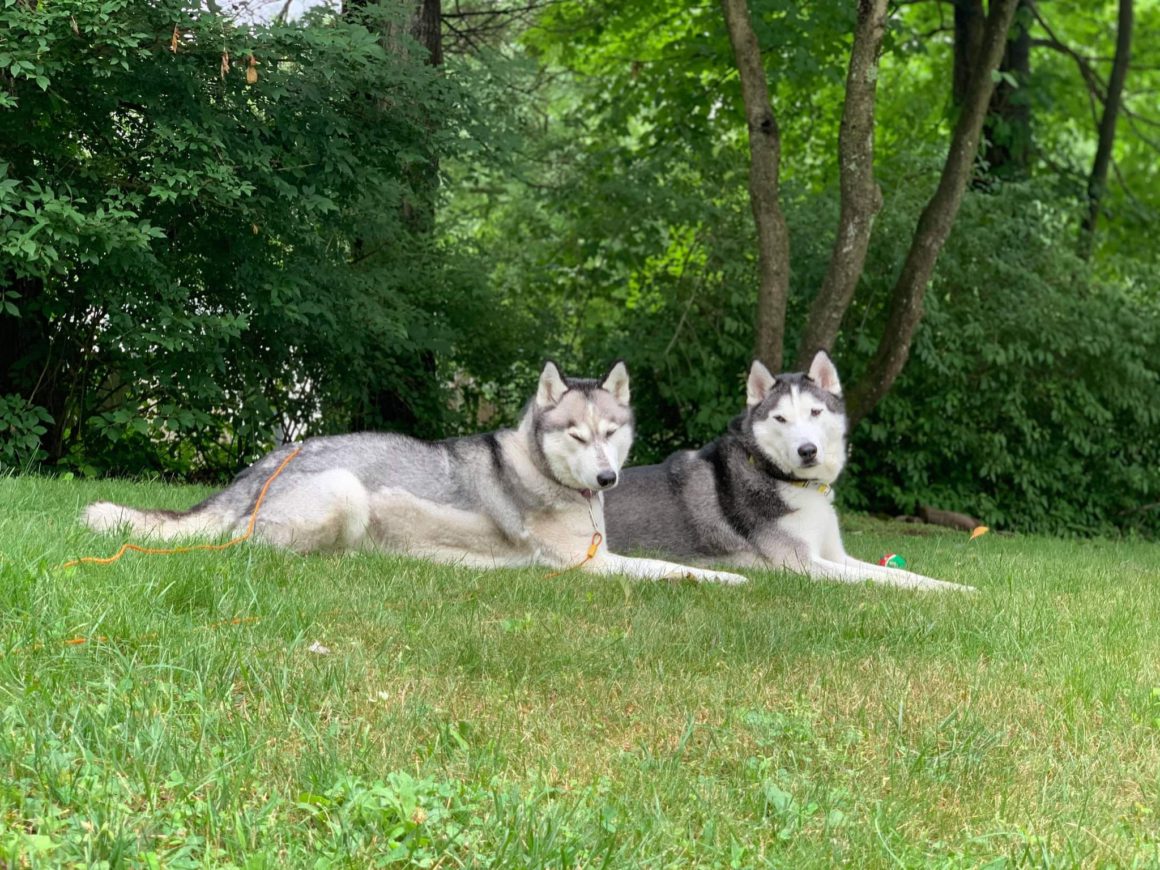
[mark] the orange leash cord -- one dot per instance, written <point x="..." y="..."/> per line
<point x="169" y="551"/>
<point x="597" y="538"/>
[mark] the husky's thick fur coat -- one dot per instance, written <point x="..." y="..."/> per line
<point x="760" y="495"/>
<point x="525" y="496"/>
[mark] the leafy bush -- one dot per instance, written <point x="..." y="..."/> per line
<point x="22" y="425"/>
<point x="207" y="232"/>
<point x="1032" y="395"/>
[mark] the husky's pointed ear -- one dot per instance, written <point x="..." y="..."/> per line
<point x="823" y="373"/>
<point x="759" y="384"/>
<point x="616" y="382"/>
<point x="552" y="386"/>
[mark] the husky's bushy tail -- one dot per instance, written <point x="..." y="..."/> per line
<point x="201" y="520"/>
<point x="224" y="512"/>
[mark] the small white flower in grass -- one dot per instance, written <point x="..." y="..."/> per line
<point x="318" y="649"/>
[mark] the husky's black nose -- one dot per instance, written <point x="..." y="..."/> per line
<point x="808" y="452"/>
<point x="606" y="479"/>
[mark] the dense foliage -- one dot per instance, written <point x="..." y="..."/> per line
<point x="1033" y="387"/>
<point x="1033" y="392"/>
<point x="203" y="233"/>
<point x="194" y="256"/>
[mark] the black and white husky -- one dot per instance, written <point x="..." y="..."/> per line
<point x="526" y="496"/>
<point x="760" y="495"/>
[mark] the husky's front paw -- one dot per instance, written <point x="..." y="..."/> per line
<point x="722" y="577"/>
<point x="945" y="586"/>
<point x="929" y="584"/>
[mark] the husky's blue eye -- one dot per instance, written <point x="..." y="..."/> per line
<point x="815" y="412"/>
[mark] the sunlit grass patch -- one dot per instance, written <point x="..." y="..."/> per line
<point x="260" y="708"/>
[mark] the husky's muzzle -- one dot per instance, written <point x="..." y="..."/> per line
<point x="808" y="453"/>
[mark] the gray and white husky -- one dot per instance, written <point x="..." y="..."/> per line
<point x="760" y="495"/>
<point x="525" y="496"/>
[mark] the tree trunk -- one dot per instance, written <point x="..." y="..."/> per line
<point x="861" y="199"/>
<point x="764" y="160"/>
<point x="1097" y="181"/>
<point x="427" y="29"/>
<point x="970" y="21"/>
<point x="1008" y="131"/>
<point x="387" y="403"/>
<point x="934" y="225"/>
<point x="425" y="26"/>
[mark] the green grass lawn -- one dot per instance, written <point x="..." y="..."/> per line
<point x="261" y="709"/>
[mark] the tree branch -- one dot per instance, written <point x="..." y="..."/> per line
<point x="1086" y="70"/>
<point x="861" y="199"/>
<point x="1135" y="200"/>
<point x="1133" y="118"/>
<point x="1098" y="180"/>
<point x="764" y="160"/>
<point x="934" y="225"/>
<point x="497" y="13"/>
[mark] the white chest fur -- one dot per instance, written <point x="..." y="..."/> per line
<point x="812" y="518"/>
